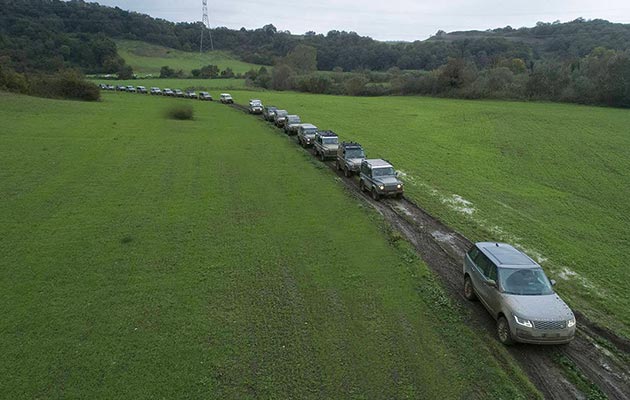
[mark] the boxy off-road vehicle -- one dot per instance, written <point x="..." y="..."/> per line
<point x="141" y="89"/>
<point x="156" y="91"/>
<point x="280" y="117"/>
<point x="291" y="125"/>
<point x="205" y="96"/>
<point x="190" y="94"/>
<point x="306" y="134"/>
<point x="255" y="106"/>
<point x="226" y="98"/>
<point x="379" y="178"/>
<point x="350" y="155"/>
<point x="326" y="144"/>
<point x="268" y="112"/>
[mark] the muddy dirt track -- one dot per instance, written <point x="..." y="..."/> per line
<point x="443" y="249"/>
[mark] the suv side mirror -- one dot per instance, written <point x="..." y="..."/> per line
<point x="491" y="283"/>
<point x="553" y="282"/>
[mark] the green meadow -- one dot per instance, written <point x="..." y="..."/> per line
<point x="146" y="58"/>
<point x="551" y="178"/>
<point x="144" y="257"/>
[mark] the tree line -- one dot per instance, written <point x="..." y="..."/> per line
<point x="50" y="34"/>
<point x="602" y="77"/>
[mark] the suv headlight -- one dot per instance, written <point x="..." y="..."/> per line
<point x="399" y="186"/>
<point x="381" y="187"/>
<point x="571" y="323"/>
<point x="523" y="322"/>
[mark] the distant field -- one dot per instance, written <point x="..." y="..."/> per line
<point x="147" y="58"/>
<point x="551" y="178"/>
<point x="151" y="258"/>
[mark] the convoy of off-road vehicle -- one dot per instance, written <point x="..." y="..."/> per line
<point x="510" y="285"/>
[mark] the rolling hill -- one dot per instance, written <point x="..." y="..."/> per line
<point x="146" y="58"/>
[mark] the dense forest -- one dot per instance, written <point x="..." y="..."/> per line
<point x="580" y="61"/>
<point x="51" y="34"/>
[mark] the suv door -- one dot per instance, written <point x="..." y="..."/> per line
<point x="493" y="293"/>
<point x="480" y="266"/>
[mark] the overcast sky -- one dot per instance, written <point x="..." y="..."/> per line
<point x="383" y="20"/>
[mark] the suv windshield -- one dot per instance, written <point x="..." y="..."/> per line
<point x="294" y="120"/>
<point x="355" y="153"/>
<point x="310" y="131"/>
<point x="385" y="171"/>
<point x="330" y="140"/>
<point x="527" y="281"/>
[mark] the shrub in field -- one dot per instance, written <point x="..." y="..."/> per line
<point x="12" y="81"/>
<point x="180" y="112"/>
<point x="65" y="85"/>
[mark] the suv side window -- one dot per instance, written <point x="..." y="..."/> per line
<point x="473" y="252"/>
<point x="483" y="263"/>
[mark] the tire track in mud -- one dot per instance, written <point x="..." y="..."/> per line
<point x="443" y="249"/>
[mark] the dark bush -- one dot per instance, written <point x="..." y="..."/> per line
<point x="12" y="81"/>
<point x="66" y="85"/>
<point x="180" y="112"/>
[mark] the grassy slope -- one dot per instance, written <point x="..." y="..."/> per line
<point x="552" y="178"/>
<point x="145" y="257"/>
<point x="148" y="58"/>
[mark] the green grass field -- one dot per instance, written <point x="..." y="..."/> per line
<point x="147" y="58"/>
<point x="551" y="178"/>
<point x="145" y="258"/>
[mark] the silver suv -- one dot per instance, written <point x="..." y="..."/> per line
<point x="350" y="155"/>
<point x="326" y="144"/>
<point x="255" y="106"/>
<point x="292" y="124"/>
<point x="380" y="179"/>
<point x="306" y="135"/>
<point x="517" y="293"/>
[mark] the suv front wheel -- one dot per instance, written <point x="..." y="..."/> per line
<point x="375" y="195"/>
<point x="503" y="331"/>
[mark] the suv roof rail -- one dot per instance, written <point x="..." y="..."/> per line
<point x="326" y="133"/>
<point x="350" y="143"/>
